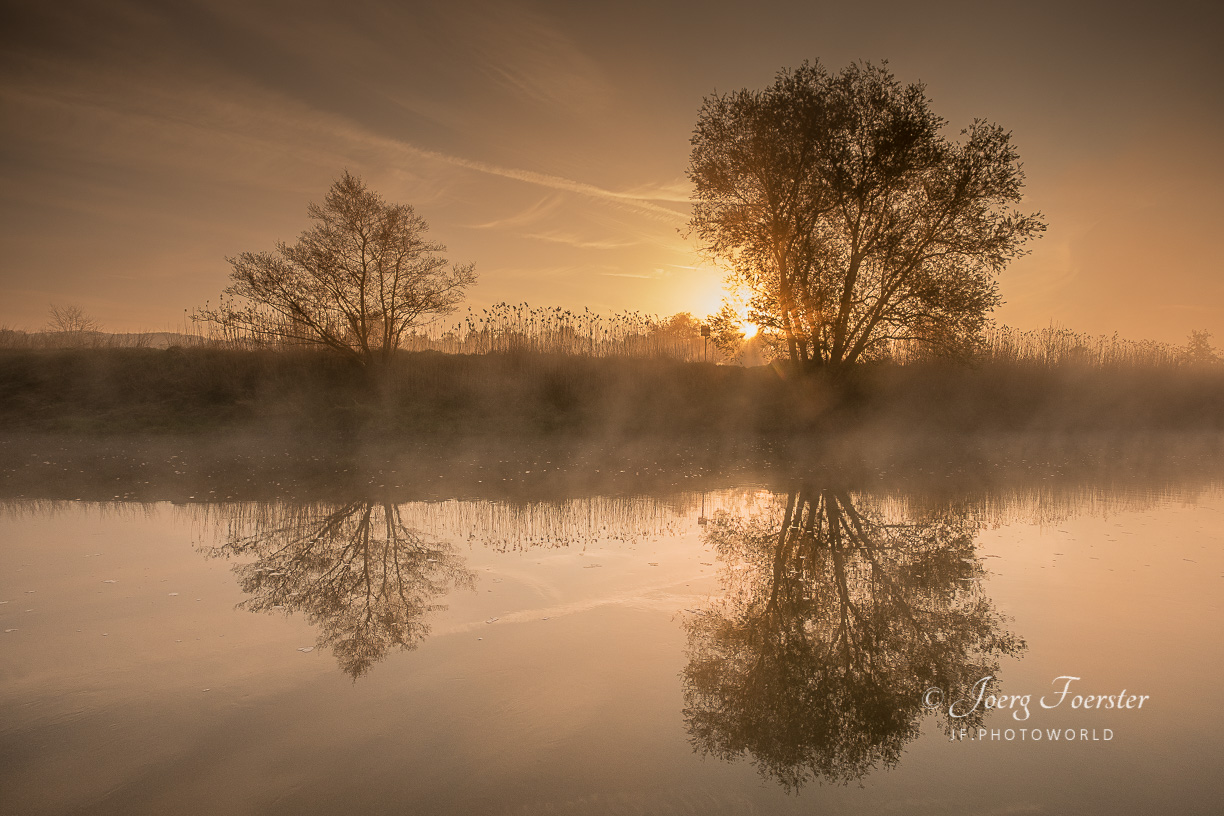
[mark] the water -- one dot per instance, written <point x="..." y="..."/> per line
<point x="749" y="648"/>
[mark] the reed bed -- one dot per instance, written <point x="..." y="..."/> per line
<point x="1060" y="347"/>
<point x="19" y="339"/>
<point x="507" y="328"/>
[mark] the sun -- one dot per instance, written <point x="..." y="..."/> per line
<point x="749" y="328"/>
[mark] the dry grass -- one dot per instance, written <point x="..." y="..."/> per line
<point x="550" y="330"/>
<point x="521" y="328"/>
<point x="1059" y="347"/>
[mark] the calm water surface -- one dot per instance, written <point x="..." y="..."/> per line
<point x="791" y="649"/>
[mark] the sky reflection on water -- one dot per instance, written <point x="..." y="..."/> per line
<point x="742" y="648"/>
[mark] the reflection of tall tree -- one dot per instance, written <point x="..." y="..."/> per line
<point x="356" y="571"/>
<point x="837" y="618"/>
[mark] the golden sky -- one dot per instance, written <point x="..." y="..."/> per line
<point x="143" y="142"/>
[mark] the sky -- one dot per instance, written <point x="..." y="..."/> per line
<point x="142" y="143"/>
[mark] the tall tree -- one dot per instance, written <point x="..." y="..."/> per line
<point x="850" y="218"/>
<point x="355" y="282"/>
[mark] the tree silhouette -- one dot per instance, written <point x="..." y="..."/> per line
<point x="849" y="217"/>
<point x="1198" y="349"/>
<point x="71" y="326"/>
<point x="356" y="282"/>
<point x="836" y="620"/>
<point x="355" y="570"/>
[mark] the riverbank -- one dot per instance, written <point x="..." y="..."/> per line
<point x="207" y="391"/>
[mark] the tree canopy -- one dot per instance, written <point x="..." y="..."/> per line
<point x="355" y="282"/>
<point x="851" y="220"/>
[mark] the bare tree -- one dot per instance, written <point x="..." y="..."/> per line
<point x="355" y="282"/>
<point x="70" y="320"/>
<point x="849" y="217"/>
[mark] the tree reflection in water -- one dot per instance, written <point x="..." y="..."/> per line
<point x="356" y="571"/>
<point x="365" y="575"/>
<point x="838" y="615"/>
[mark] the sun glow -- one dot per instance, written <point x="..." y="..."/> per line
<point x="714" y="294"/>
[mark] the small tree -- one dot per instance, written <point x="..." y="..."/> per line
<point x="1198" y="348"/>
<point x="726" y="333"/>
<point x="355" y="282"/>
<point x="848" y="216"/>
<point x="70" y="320"/>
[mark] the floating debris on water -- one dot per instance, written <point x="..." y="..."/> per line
<point x="306" y="649"/>
<point x="492" y="620"/>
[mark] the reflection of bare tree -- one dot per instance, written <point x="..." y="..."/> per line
<point x="355" y="570"/>
<point x="838" y="616"/>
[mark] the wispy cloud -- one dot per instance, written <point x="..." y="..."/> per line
<point x="528" y="54"/>
<point x="629" y="200"/>
<point x="679" y="191"/>
<point x="319" y="134"/>
<point x="580" y="243"/>
<point x="655" y="275"/>
<point x="524" y="218"/>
